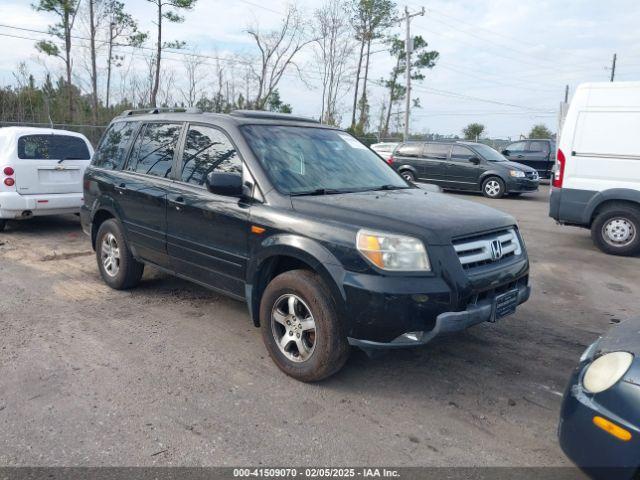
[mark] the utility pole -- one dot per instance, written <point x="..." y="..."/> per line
<point x="408" y="46"/>
<point x="613" y="67"/>
<point x="566" y="93"/>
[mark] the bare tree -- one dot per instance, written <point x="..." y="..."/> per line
<point x="194" y="76"/>
<point x="66" y="11"/>
<point x="170" y="16"/>
<point x="333" y="50"/>
<point x="277" y="51"/>
<point x="122" y="30"/>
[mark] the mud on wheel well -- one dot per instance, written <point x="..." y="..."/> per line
<point x="270" y="269"/>
<point x="98" y="219"/>
<point x="612" y="204"/>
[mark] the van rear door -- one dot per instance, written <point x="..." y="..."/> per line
<point x="50" y="164"/>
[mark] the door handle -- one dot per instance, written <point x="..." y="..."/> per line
<point x="520" y="156"/>
<point x="178" y="202"/>
<point x="121" y="188"/>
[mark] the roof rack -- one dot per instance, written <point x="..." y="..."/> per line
<point x="147" y="111"/>
<point x="260" y="114"/>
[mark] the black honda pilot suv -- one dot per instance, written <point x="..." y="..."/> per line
<point x="325" y="242"/>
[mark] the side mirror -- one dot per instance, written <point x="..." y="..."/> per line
<point x="225" y="183"/>
<point x="474" y="160"/>
<point x="505" y="152"/>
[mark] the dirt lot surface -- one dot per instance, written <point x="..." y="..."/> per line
<point x="172" y="374"/>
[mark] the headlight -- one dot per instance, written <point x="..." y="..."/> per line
<point x="393" y="252"/>
<point x="605" y="371"/>
<point x="516" y="173"/>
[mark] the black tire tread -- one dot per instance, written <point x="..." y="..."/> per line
<point x="612" y="210"/>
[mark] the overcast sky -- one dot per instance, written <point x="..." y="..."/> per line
<point x="503" y="63"/>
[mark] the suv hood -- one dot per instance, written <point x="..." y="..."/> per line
<point x="434" y="217"/>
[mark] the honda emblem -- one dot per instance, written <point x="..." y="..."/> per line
<point x="496" y="250"/>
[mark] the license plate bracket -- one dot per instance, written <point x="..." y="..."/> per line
<point x="504" y="305"/>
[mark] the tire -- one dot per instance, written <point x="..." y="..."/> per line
<point x="123" y="271"/>
<point x="493" y="187"/>
<point x="322" y="340"/>
<point x="408" y="175"/>
<point x="616" y="230"/>
<point x="3" y="224"/>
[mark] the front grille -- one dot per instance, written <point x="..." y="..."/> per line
<point x="488" y="248"/>
<point x="532" y="175"/>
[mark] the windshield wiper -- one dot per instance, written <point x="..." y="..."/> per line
<point x="319" y="191"/>
<point x="389" y="187"/>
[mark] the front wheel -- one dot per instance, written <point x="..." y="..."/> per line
<point x="300" y="327"/>
<point x="616" y="230"/>
<point x="117" y="266"/>
<point x="493" y="187"/>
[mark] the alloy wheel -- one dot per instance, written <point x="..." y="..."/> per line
<point x="492" y="188"/>
<point x="110" y="254"/>
<point x="293" y="328"/>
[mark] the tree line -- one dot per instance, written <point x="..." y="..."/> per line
<point x="98" y="62"/>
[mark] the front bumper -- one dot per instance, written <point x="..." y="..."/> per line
<point x="447" y="322"/>
<point x="520" y="185"/>
<point x="595" y="451"/>
<point x="16" y="206"/>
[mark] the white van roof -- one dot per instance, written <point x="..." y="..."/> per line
<point x="608" y="94"/>
<point x="12" y="132"/>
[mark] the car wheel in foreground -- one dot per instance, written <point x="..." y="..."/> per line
<point x="616" y="230"/>
<point x="408" y="175"/>
<point x="300" y="326"/>
<point x="493" y="187"/>
<point x="117" y="266"/>
<point x="3" y="223"/>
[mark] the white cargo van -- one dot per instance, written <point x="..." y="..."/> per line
<point x="596" y="183"/>
<point x="41" y="172"/>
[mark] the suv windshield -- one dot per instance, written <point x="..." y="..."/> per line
<point x="489" y="153"/>
<point x="303" y="160"/>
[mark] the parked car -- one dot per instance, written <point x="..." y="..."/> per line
<point x="325" y="242"/>
<point x="463" y="166"/>
<point x="597" y="178"/>
<point x="384" y="149"/>
<point x="600" y="417"/>
<point x="41" y="171"/>
<point x="539" y="154"/>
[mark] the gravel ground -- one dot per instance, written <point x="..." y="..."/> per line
<point x="172" y="374"/>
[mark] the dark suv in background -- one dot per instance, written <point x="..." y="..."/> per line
<point x="538" y="154"/>
<point x="463" y="166"/>
<point x="327" y="245"/>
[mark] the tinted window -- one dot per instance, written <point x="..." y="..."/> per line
<point x="53" y="147"/>
<point x="409" y="150"/>
<point x="541" y="147"/>
<point x="153" y="149"/>
<point x="461" y="154"/>
<point x="436" y="150"/>
<point x="113" y="148"/>
<point x="517" y="147"/>
<point x="206" y="149"/>
<point x="304" y="160"/>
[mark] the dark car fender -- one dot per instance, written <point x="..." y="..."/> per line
<point x="492" y="173"/>
<point x="107" y="204"/>
<point x="614" y="194"/>
<point x="301" y="248"/>
<point x="406" y="167"/>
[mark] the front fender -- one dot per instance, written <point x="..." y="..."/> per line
<point x="301" y="248"/>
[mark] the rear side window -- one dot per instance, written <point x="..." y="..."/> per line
<point x="409" y="150"/>
<point x="153" y="149"/>
<point x="517" y="147"/>
<point x="207" y="149"/>
<point x="541" y="147"/>
<point x="52" y="147"/>
<point x="113" y="148"/>
<point x="435" y="150"/>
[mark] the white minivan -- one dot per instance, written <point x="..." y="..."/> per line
<point x="596" y="182"/>
<point x="41" y="172"/>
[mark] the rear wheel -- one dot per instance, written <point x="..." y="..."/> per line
<point x="493" y="187"/>
<point x="300" y="326"/>
<point x="117" y="266"/>
<point x="408" y="175"/>
<point x="616" y="230"/>
<point x="3" y="223"/>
